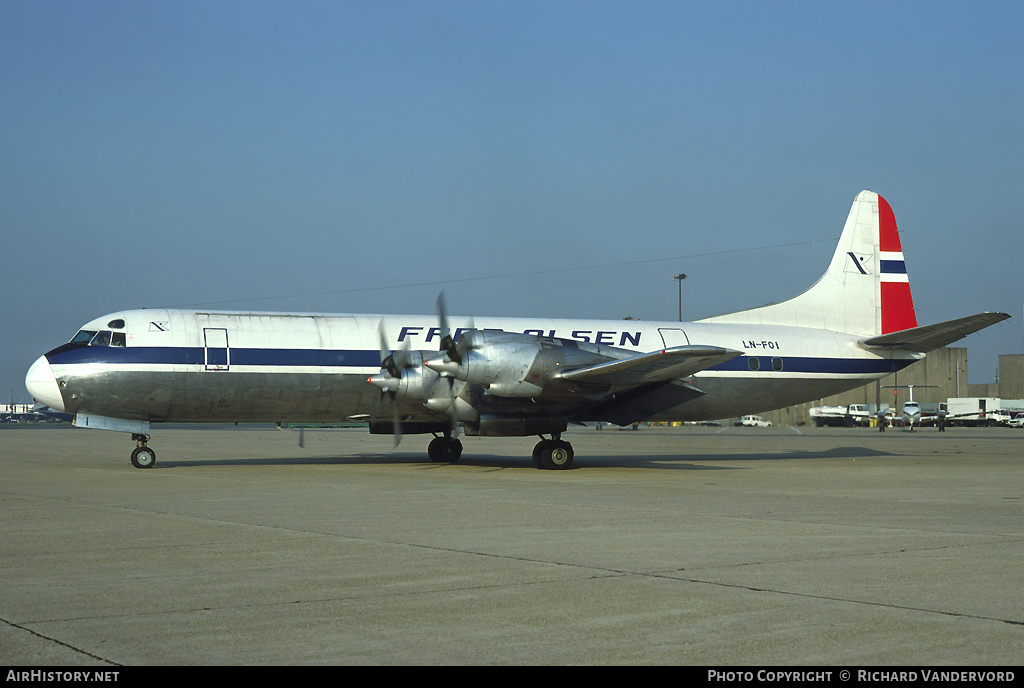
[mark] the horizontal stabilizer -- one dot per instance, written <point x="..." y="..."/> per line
<point x="931" y="337"/>
<point x="657" y="366"/>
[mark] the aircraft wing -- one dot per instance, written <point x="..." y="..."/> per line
<point x="657" y="366"/>
<point x="641" y="403"/>
<point x="931" y="337"/>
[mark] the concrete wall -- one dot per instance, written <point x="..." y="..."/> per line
<point x="983" y="389"/>
<point x="946" y="369"/>
<point x="1011" y="376"/>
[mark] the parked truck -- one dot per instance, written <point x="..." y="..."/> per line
<point x="983" y="410"/>
<point x="843" y="416"/>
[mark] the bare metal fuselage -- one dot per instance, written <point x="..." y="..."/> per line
<point x="206" y="367"/>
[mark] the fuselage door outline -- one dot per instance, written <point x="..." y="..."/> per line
<point x="672" y="336"/>
<point x="217" y="352"/>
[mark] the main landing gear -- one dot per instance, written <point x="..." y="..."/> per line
<point x="142" y="456"/>
<point x="445" y="449"/>
<point x="554" y="454"/>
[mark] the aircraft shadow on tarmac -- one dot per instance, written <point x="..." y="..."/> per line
<point x="693" y="462"/>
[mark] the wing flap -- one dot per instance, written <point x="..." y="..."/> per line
<point x="931" y="337"/>
<point x="640" y="403"/>
<point x="656" y="366"/>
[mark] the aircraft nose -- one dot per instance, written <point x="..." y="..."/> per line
<point x="42" y="385"/>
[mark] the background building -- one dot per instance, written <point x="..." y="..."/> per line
<point x="940" y="376"/>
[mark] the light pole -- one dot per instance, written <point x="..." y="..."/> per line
<point x="679" y="278"/>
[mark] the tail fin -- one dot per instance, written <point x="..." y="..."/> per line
<point x="896" y="304"/>
<point x="865" y="290"/>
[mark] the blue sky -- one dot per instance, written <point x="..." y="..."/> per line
<point x="557" y="158"/>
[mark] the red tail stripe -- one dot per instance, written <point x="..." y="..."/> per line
<point x="897" y="303"/>
<point x="897" y="307"/>
<point x="888" y="236"/>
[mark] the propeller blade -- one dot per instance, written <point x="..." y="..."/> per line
<point x="375" y="412"/>
<point x="447" y="341"/>
<point x="388" y="381"/>
<point x="396" y="420"/>
<point x="384" y="350"/>
<point x="451" y="406"/>
<point x="387" y="359"/>
<point x="442" y="316"/>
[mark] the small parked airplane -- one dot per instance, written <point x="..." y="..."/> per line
<point x="499" y="376"/>
<point x="912" y="414"/>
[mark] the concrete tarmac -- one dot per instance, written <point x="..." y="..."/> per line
<point x="689" y="546"/>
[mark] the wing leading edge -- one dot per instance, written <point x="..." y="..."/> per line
<point x="658" y="366"/>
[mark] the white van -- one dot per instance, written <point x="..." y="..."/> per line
<point x="753" y="422"/>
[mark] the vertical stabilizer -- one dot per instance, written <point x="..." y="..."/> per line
<point x="896" y="303"/>
<point x="865" y="290"/>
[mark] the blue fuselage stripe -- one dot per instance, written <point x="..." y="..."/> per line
<point x="355" y="358"/>
<point x="186" y="355"/>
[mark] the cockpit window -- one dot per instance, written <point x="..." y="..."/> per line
<point x="116" y="324"/>
<point x="83" y="337"/>
<point x="101" y="338"/>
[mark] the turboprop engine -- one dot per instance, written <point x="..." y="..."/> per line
<point x="490" y="382"/>
<point x="404" y="375"/>
<point x="511" y="365"/>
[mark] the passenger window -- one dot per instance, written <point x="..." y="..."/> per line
<point x="117" y="339"/>
<point x="753" y="362"/>
<point x="101" y="339"/>
<point x="776" y="364"/>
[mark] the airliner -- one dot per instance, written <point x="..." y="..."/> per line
<point x="499" y="377"/>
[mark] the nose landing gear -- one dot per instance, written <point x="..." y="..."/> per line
<point x="142" y="456"/>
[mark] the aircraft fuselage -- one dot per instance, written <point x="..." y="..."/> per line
<point x="212" y="367"/>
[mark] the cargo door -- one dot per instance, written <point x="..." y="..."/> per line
<point x="217" y="352"/>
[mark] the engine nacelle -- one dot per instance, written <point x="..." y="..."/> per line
<point x="511" y="365"/>
<point x="417" y="381"/>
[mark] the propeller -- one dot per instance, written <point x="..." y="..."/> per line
<point x="454" y="352"/>
<point x="392" y="364"/>
<point x="445" y="400"/>
<point x="408" y="373"/>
